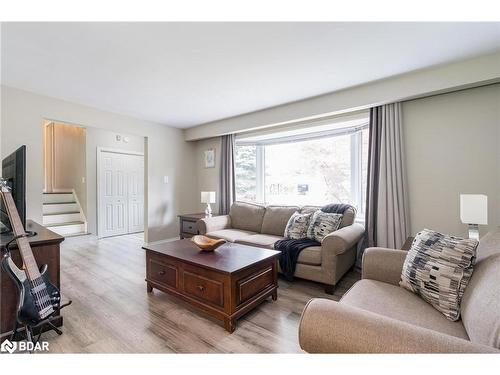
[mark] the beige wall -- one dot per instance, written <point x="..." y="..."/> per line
<point x="22" y="115"/>
<point x="103" y="138"/>
<point x="452" y="147"/>
<point x="207" y="178"/>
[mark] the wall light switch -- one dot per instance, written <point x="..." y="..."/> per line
<point x="165" y="179"/>
<point x="83" y="180"/>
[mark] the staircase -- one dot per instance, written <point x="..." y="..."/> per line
<point x="63" y="214"/>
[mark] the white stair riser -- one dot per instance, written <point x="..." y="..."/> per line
<point x="60" y="212"/>
<point x="61" y="218"/>
<point x="58" y="198"/>
<point x="60" y="208"/>
<point x="67" y="230"/>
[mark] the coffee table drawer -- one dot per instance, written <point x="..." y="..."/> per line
<point x="203" y="288"/>
<point x="254" y="284"/>
<point x="162" y="273"/>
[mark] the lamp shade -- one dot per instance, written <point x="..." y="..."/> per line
<point x="208" y="197"/>
<point x="474" y="209"/>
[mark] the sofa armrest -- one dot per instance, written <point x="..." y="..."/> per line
<point x="383" y="264"/>
<point x="343" y="239"/>
<point x="330" y="327"/>
<point x="210" y="224"/>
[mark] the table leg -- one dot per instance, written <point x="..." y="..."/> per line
<point x="229" y="325"/>
<point x="149" y="287"/>
<point x="275" y="295"/>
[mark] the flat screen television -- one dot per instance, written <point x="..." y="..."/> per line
<point x="14" y="171"/>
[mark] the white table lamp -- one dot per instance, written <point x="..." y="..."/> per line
<point x="474" y="211"/>
<point x="208" y="197"/>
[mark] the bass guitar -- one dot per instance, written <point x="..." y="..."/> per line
<point x="39" y="299"/>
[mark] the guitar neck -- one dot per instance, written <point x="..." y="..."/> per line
<point x="22" y="242"/>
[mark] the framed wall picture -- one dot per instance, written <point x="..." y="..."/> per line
<point x="210" y="158"/>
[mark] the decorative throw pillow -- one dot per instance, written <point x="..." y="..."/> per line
<point x="438" y="267"/>
<point x="297" y="226"/>
<point x="322" y="224"/>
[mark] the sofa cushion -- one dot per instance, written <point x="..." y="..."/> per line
<point x="438" y="267"/>
<point x="276" y="218"/>
<point x="247" y="216"/>
<point x="310" y="255"/>
<point x="230" y="235"/>
<point x="309" y="209"/>
<point x="260" y="240"/>
<point x="481" y="301"/>
<point x="398" y="303"/>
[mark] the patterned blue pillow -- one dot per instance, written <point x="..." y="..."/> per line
<point x="322" y="224"/>
<point x="297" y="226"/>
<point x="438" y="267"/>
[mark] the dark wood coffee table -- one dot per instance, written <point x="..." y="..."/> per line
<point x="226" y="283"/>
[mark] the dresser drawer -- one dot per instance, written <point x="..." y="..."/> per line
<point x="203" y="288"/>
<point x="162" y="273"/>
<point x="189" y="227"/>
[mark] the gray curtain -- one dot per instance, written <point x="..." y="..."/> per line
<point x="387" y="215"/>
<point x="227" y="187"/>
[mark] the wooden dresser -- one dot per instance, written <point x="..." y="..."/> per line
<point x="46" y="249"/>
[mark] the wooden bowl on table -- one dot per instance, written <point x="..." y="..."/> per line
<point x="206" y="243"/>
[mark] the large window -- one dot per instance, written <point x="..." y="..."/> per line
<point x="308" y="170"/>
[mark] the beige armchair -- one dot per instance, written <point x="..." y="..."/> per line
<point x="262" y="226"/>
<point x="378" y="316"/>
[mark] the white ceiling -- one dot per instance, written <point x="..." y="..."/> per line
<point x="184" y="74"/>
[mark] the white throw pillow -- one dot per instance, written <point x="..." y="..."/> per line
<point x="438" y="267"/>
<point x="297" y="226"/>
<point x="322" y="224"/>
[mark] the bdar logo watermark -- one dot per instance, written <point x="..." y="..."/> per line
<point x="23" y="346"/>
<point x="7" y="346"/>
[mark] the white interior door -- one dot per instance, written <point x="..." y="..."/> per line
<point x="135" y="193"/>
<point x="113" y="195"/>
<point x="121" y="193"/>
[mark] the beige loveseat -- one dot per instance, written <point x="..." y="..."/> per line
<point x="262" y="226"/>
<point x="378" y="316"/>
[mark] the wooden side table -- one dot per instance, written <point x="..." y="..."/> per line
<point x="187" y="224"/>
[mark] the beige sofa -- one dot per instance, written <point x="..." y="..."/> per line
<point x="378" y="316"/>
<point x="262" y="226"/>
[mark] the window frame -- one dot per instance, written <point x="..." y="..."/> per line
<point x="356" y="149"/>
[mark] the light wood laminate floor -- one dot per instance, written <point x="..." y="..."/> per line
<point x="112" y="313"/>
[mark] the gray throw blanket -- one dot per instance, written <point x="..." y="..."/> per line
<point x="335" y="208"/>
<point x="290" y="249"/>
